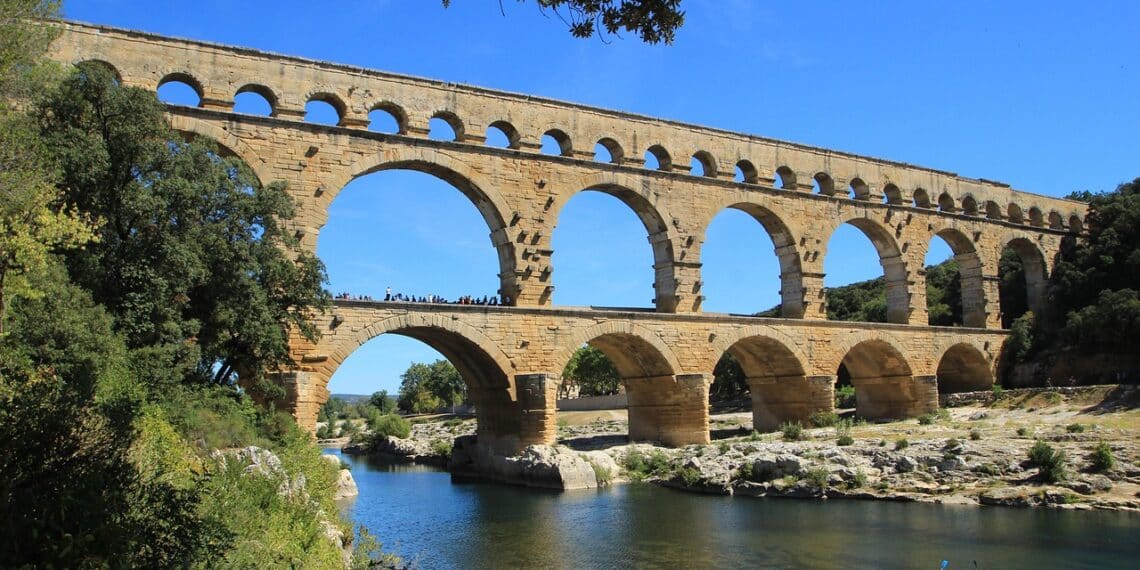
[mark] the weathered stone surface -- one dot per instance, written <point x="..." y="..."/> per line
<point x="511" y="357"/>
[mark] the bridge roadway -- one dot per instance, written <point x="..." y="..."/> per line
<point x="511" y="359"/>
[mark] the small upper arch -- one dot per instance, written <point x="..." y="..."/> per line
<point x="262" y="91"/>
<point x="786" y="177"/>
<point x="746" y="172"/>
<point x="946" y="203"/>
<point x="395" y="113"/>
<point x="508" y="131"/>
<point x="183" y="78"/>
<point x="706" y="162"/>
<point x="613" y="148"/>
<point x="451" y="121"/>
<point x="824" y="184"/>
<point x="970" y="205"/>
<point x="993" y="210"/>
<point x="892" y="194"/>
<point x="105" y="65"/>
<point x="921" y="198"/>
<point x="1056" y="222"/>
<point x="658" y="158"/>
<point x="332" y="100"/>
<point x="1014" y="213"/>
<point x="1076" y="224"/>
<point x="859" y="190"/>
<point x="559" y="139"/>
<point x="1036" y="218"/>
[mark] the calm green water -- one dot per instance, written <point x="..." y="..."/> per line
<point x="425" y="518"/>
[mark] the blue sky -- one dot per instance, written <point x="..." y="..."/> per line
<point x="1041" y="95"/>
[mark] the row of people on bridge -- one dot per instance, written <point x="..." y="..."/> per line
<point x="492" y="300"/>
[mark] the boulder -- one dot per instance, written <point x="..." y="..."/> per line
<point x="345" y="486"/>
<point x="905" y="464"/>
<point x="769" y="467"/>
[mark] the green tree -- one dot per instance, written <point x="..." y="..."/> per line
<point x="593" y="371"/>
<point x="192" y="249"/>
<point x="429" y="387"/>
<point x="944" y="294"/>
<point x="653" y="21"/>
<point x="728" y="379"/>
<point x="381" y="401"/>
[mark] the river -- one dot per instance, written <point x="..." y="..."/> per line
<point x="421" y="515"/>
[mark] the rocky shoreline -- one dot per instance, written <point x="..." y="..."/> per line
<point x="970" y="455"/>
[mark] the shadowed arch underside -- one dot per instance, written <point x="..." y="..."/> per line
<point x="784" y="245"/>
<point x="779" y="389"/>
<point x="663" y="405"/>
<point x="963" y="368"/>
<point x="884" y="385"/>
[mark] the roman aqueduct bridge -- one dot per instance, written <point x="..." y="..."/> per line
<point x="676" y="177"/>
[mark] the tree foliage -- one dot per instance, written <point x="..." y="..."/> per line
<point x="191" y="246"/>
<point x="593" y="372"/>
<point x="654" y="21"/>
<point x="728" y="379"/>
<point x="429" y="387"/>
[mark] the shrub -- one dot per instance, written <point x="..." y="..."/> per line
<point x="755" y="436"/>
<point x="844" y="440"/>
<point x="723" y="447"/>
<point x="390" y="424"/>
<point x="817" y="477"/>
<point x="641" y="466"/>
<point x="975" y="434"/>
<point x="1052" y="398"/>
<point x="323" y="432"/>
<point x="689" y="476"/>
<point x="1102" y="459"/>
<point x="998" y="391"/>
<point x="943" y="414"/>
<point x="926" y="419"/>
<point x="1022" y="431"/>
<point x="1075" y="428"/>
<point x="602" y="474"/>
<point x="1049" y="462"/>
<point x="824" y="419"/>
<point x="901" y="444"/>
<point x="441" y="447"/>
<point x="792" y="431"/>
<point x="860" y="480"/>
<point x="744" y="472"/>
<point x="845" y="397"/>
<point x="952" y="444"/>
<point x="989" y="469"/>
<point x="843" y="432"/>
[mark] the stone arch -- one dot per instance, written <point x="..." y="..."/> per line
<point x="227" y="142"/>
<point x="946" y="203"/>
<point x="1056" y="222"/>
<point x="452" y="121"/>
<point x="509" y="131"/>
<point x="1035" y="266"/>
<point x="894" y="266"/>
<point x="484" y="367"/>
<point x="885" y="386"/>
<point x="617" y="155"/>
<point x="664" y="160"/>
<point x="186" y="78"/>
<point x="964" y="368"/>
<point x="787" y="177"/>
<point x="333" y="100"/>
<point x="970" y="272"/>
<point x="921" y="198"/>
<point x="777" y="381"/>
<point x="792" y="304"/>
<point x="748" y="172"/>
<point x="662" y="405"/>
<point x="487" y="200"/>
<point x="993" y="210"/>
<point x="396" y="111"/>
<point x="265" y="92"/>
<point x="565" y="146"/>
<point x="859" y="189"/>
<point x="654" y="219"/>
<point x="1036" y="218"/>
<point x="892" y="194"/>
<point x="825" y="182"/>
<point x="1015" y="214"/>
<point x="707" y="162"/>
<point x="645" y="353"/>
<point x="726" y="339"/>
<point x="1076" y="224"/>
<point x="105" y="65"/>
<point x="970" y="205"/>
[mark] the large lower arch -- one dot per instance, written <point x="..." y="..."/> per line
<point x="481" y="363"/>
<point x="657" y="231"/>
<point x="1035" y="268"/>
<point x="664" y="406"/>
<point x="963" y="368"/>
<point x="780" y="390"/>
<point x="227" y="143"/>
<point x="894" y="267"/>
<point x="974" y="301"/>
<point x="884" y="385"/>
<point x="491" y="205"/>
<point x="784" y="244"/>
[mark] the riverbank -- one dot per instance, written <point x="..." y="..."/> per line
<point x="977" y="453"/>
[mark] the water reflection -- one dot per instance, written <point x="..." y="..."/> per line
<point x="426" y="518"/>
